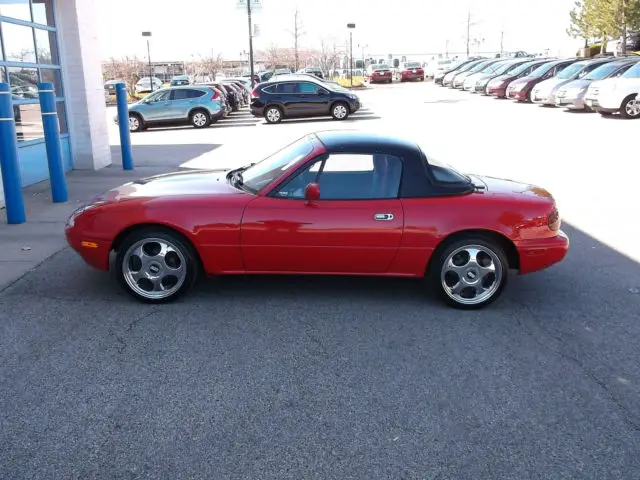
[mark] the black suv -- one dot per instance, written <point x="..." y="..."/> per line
<point x="295" y="97"/>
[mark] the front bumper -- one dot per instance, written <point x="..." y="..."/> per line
<point x="539" y="254"/>
<point x="570" y="103"/>
<point x="519" y="95"/>
<point x="543" y="98"/>
<point x="94" y="252"/>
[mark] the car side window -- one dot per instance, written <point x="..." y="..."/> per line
<point x="288" y="88"/>
<point x="349" y="177"/>
<point x="161" y="96"/>
<point x="270" y="89"/>
<point x="185" y="94"/>
<point x="309" y="88"/>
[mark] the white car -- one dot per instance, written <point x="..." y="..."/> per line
<point x="616" y="94"/>
<point x="144" y="85"/>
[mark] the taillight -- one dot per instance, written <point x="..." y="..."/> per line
<point x="554" y="220"/>
<point x="254" y="93"/>
<point x="215" y="96"/>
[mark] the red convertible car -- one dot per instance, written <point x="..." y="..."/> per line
<point x="331" y="203"/>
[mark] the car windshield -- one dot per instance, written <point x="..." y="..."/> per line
<point x="478" y="67"/>
<point x="603" y="71"/>
<point x="266" y="171"/>
<point x="633" y="72"/>
<point x="504" y="68"/>
<point x="520" y="69"/>
<point x="571" y="70"/>
<point x="446" y="173"/>
<point x="542" y="69"/>
<point x="492" y="68"/>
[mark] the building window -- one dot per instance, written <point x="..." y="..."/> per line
<point x="46" y="51"/>
<point x="42" y="12"/>
<point x="35" y="46"/>
<point x="23" y="82"/>
<point x="53" y="76"/>
<point x="18" y="9"/>
<point x="18" y="43"/>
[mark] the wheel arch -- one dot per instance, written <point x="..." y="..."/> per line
<point x="272" y="105"/>
<point x="344" y="102"/>
<point x="199" y="108"/>
<point x="507" y="245"/>
<point x="123" y="234"/>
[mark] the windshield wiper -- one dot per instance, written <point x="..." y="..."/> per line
<point x="231" y="173"/>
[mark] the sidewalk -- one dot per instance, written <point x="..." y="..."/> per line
<point x="24" y="247"/>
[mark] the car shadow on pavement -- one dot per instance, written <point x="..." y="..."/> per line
<point x="352" y="118"/>
<point x="168" y="155"/>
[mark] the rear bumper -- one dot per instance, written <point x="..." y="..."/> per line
<point x="380" y="78"/>
<point x="539" y="254"/>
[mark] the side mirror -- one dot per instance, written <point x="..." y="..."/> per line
<point x="322" y="92"/>
<point x="312" y="192"/>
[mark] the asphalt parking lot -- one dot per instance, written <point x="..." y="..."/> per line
<point x="290" y="378"/>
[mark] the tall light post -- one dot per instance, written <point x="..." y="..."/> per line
<point x="148" y="34"/>
<point x="351" y="26"/>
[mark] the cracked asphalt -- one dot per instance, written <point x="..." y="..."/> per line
<point x="327" y="378"/>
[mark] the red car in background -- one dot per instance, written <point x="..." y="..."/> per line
<point x="412" y="71"/>
<point x="498" y="86"/>
<point x="521" y="88"/>
<point x="330" y="203"/>
<point x="380" y="74"/>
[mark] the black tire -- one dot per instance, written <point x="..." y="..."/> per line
<point x="136" y="123"/>
<point x="340" y="111"/>
<point x="273" y="114"/>
<point x="191" y="264"/>
<point x="623" y="107"/>
<point x="438" y="277"/>
<point x="199" y="119"/>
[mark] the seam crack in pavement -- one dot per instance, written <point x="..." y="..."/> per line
<point x="11" y="284"/>
<point x="120" y="340"/>
<point x="625" y="413"/>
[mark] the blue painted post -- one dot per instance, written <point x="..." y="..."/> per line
<point x="57" y="178"/>
<point x="11" y="177"/>
<point x="123" y="124"/>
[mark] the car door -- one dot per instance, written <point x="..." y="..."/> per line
<point x="181" y="103"/>
<point x="354" y="228"/>
<point x="154" y="105"/>
<point x="313" y="99"/>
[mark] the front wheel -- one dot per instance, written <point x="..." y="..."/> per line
<point x="200" y="119"/>
<point x="340" y="111"/>
<point x="136" y="124"/>
<point x="630" y="107"/>
<point x="471" y="273"/>
<point x="156" y="266"/>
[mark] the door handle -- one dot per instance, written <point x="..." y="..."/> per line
<point x="383" y="216"/>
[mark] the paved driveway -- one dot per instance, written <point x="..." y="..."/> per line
<point x="332" y="378"/>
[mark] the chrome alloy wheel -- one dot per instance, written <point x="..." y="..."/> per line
<point x="273" y="115"/>
<point x="340" y="111"/>
<point x="199" y="119"/>
<point x="632" y="108"/>
<point x="471" y="274"/>
<point x="134" y="123"/>
<point x="154" y="268"/>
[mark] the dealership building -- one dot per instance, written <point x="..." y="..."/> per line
<point x="54" y="41"/>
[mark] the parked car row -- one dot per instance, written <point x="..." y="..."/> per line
<point x="198" y="105"/>
<point x="607" y="85"/>
<point x="302" y="95"/>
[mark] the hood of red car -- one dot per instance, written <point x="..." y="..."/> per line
<point x="520" y="81"/>
<point x="184" y="183"/>
<point x="502" y="186"/>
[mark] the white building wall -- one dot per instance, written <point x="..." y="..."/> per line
<point x="83" y="83"/>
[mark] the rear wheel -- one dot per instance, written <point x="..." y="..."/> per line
<point x="471" y="272"/>
<point x="630" y="107"/>
<point x="273" y="115"/>
<point x="199" y="119"/>
<point x="156" y="266"/>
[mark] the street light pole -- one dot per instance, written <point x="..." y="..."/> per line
<point x="148" y="34"/>
<point x="351" y="26"/>
<point x="250" y="41"/>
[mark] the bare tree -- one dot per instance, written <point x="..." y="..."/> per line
<point x="470" y="23"/>
<point x="328" y="57"/>
<point x="126" y="69"/>
<point x="211" y="65"/>
<point x="297" y="33"/>
<point x="278" y="57"/>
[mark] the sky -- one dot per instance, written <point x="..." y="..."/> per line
<point x="188" y="28"/>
